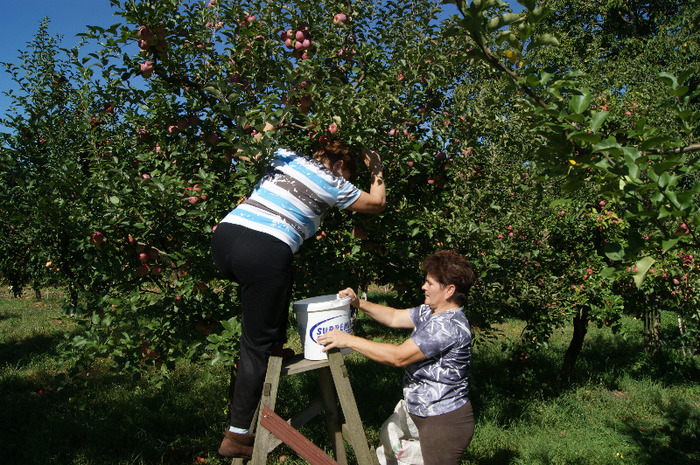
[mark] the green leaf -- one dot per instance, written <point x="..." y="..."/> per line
<point x="643" y="266"/>
<point x="579" y="103"/>
<point x="544" y="39"/>
<point x="608" y="272"/>
<point x="606" y="145"/>
<point x="680" y="91"/>
<point x="614" y="252"/>
<point x="668" y="79"/>
<point x="585" y="136"/>
<point x="597" y="120"/>
<point x="668" y="244"/>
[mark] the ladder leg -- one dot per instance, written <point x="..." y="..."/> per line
<point x="269" y="398"/>
<point x="358" y="439"/>
<point x="332" y="417"/>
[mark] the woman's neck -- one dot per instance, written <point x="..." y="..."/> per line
<point x="446" y="307"/>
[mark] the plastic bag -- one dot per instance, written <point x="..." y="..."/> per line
<point x="399" y="439"/>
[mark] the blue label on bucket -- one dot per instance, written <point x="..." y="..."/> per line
<point x="329" y="324"/>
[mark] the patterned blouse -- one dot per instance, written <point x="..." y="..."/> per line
<point x="440" y="383"/>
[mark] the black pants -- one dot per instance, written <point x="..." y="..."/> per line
<point x="444" y="438"/>
<point x="262" y="265"/>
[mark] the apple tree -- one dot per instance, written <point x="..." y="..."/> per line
<point x="160" y="134"/>
<point x="592" y="132"/>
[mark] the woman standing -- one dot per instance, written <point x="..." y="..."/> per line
<point x="436" y="356"/>
<point x="254" y="246"/>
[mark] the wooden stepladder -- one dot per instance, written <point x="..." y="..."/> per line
<point x="271" y="431"/>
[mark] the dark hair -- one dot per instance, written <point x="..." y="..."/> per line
<point x="335" y="151"/>
<point x="448" y="267"/>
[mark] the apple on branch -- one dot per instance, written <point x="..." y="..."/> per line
<point x="339" y="19"/>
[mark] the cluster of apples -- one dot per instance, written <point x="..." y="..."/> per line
<point x="297" y="39"/>
<point x="151" y="40"/>
<point x="147" y="254"/>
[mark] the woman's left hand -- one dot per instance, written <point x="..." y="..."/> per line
<point x="334" y="339"/>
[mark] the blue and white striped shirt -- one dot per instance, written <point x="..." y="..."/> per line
<point x="292" y="198"/>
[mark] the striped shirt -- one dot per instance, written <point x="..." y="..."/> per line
<point x="292" y="198"/>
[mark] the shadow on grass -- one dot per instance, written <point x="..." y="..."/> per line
<point x="109" y="420"/>
<point x="676" y="442"/>
<point x="21" y="352"/>
<point x="507" y="384"/>
<point x="500" y="457"/>
<point x="606" y="360"/>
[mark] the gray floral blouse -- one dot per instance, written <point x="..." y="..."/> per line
<point x="440" y="383"/>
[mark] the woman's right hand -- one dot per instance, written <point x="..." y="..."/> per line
<point x="372" y="159"/>
<point x="354" y="300"/>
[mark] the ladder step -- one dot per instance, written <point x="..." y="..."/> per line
<point x="293" y="438"/>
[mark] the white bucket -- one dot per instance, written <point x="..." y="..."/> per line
<point x="318" y="315"/>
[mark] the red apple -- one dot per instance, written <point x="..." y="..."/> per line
<point x="97" y="238"/>
<point x="146" y="69"/>
<point x="360" y="233"/>
<point x="332" y="128"/>
<point x="142" y="269"/>
<point x="213" y="138"/>
<point x="340" y="18"/>
<point x="145" y="33"/>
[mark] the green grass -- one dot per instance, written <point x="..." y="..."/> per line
<point x="624" y="408"/>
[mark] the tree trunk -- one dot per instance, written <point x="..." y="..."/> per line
<point x="580" y="323"/>
<point x="37" y="290"/>
<point x="652" y="328"/>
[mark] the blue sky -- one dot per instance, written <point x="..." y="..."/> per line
<point x="20" y="20"/>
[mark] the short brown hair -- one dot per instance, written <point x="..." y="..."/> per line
<point x="448" y="267"/>
<point x="335" y="151"/>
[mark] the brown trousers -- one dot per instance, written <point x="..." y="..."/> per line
<point x="444" y="438"/>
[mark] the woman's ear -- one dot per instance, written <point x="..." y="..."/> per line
<point x="450" y="290"/>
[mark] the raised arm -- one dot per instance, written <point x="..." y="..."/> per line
<point x="373" y="201"/>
